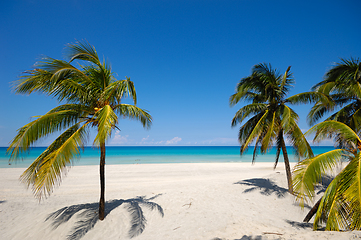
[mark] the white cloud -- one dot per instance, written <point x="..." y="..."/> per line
<point x="144" y="139"/>
<point x="119" y="139"/>
<point x="173" y="140"/>
<point x="147" y="141"/>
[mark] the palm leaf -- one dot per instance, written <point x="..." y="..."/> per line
<point x="256" y="131"/>
<point x="270" y="132"/>
<point x="285" y="76"/>
<point x="308" y="173"/>
<point x="309" y="97"/>
<point x="33" y="80"/>
<point x="351" y="187"/>
<point x="328" y="129"/>
<point x="47" y="169"/>
<point x="106" y="120"/>
<point x="246" y="87"/>
<point x="246" y="129"/>
<point x="115" y="91"/>
<point x="133" y="112"/>
<point x="83" y="51"/>
<point x="55" y="120"/>
<point x="247" y="110"/>
<point x="331" y="209"/>
<point x="289" y="117"/>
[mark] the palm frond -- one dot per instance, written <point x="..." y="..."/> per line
<point x="46" y="171"/>
<point x="299" y="142"/>
<point x="82" y="50"/>
<point x="350" y="186"/>
<point x="245" y="89"/>
<point x="317" y="112"/>
<point x="345" y="73"/>
<point x="289" y="117"/>
<point x="294" y="133"/>
<point x="309" y="97"/>
<point x="331" y="209"/>
<point x="133" y="112"/>
<point x="100" y="79"/>
<point x="355" y="120"/>
<point x="55" y="120"/>
<point x="285" y="76"/>
<point x="106" y="120"/>
<point x="256" y="131"/>
<point x="339" y="131"/>
<point x="117" y="90"/>
<point x="54" y="77"/>
<point x="325" y="87"/>
<point x="257" y="142"/>
<point x="308" y="173"/>
<point x="247" y="110"/>
<point x="270" y="133"/>
<point x="32" y="81"/>
<point x="342" y="84"/>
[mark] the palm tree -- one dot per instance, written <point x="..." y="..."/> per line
<point x="340" y="206"/>
<point x="270" y="119"/>
<point x="342" y="84"/>
<point x="341" y="90"/>
<point x="91" y="98"/>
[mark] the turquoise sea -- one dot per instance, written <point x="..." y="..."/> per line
<point x="157" y="154"/>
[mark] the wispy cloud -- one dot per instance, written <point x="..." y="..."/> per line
<point x="173" y="140"/>
<point x="147" y="141"/>
<point x="119" y="139"/>
<point x="144" y="139"/>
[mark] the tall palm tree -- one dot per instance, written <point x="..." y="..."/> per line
<point x="270" y="119"/>
<point x="340" y="206"/>
<point x="91" y="97"/>
<point x="342" y="84"/>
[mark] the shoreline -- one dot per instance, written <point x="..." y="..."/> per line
<point x="199" y="201"/>
<point x="292" y="163"/>
<point x="159" y="154"/>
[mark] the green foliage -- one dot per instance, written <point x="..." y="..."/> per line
<point x="342" y="90"/>
<point x="91" y="98"/>
<point x="340" y="206"/>
<point x="270" y="119"/>
<point x="268" y="115"/>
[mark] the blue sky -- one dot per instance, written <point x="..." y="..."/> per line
<point x="185" y="57"/>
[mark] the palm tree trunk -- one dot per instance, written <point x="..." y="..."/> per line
<point x="312" y="211"/>
<point x="102" y="182"/>
<point x="287" y="165"/>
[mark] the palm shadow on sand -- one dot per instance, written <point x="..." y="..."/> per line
<point x="299" y="225"/>
<point x="88" y="215"/>
<point x="244" y="237"/>
<point x="266" y="187"/>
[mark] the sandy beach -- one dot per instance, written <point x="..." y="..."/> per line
<point x="175" y="201"/>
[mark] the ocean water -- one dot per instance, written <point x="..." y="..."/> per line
<point x="157" y="154"/>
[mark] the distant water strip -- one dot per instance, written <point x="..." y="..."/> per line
<point x="160" y="154"/>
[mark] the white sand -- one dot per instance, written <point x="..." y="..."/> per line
<point x="200" y="201"/>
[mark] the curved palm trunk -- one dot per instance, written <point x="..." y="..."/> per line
<point x="287" y="165"/>
<point x="102" y="182"/>
<point x="312" y="211"/>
